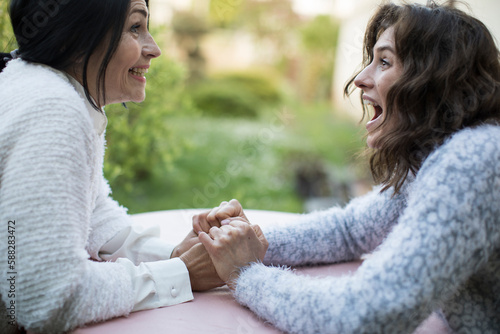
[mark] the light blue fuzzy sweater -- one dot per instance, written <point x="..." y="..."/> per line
<point x="435" y="246"/>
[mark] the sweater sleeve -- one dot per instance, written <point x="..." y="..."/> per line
<point x="45" y="190"/>
<point x="447" y="233"/>
<point x="336" y="234"/>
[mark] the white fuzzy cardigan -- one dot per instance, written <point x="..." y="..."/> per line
<point x="51" y="185"/>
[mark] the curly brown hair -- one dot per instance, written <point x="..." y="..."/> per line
<point x="450" y="81"/>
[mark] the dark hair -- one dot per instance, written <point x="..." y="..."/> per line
<point x="63" y="33"/>
<point x="450" y="81"/>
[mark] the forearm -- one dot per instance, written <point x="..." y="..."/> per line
<point x="301" y="304"/>
<point x="336" y="234"/>
<point x="392" y="292"/>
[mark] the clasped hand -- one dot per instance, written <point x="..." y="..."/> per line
<point x="230" y="240"/>
<point x="221" y="243"/>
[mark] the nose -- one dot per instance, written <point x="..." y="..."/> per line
<point x="364" y="79"/>
<point x="150" y="48"/>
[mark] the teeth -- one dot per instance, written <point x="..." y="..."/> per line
<point x="370" y="103"/>
<point x="140" y="72"/>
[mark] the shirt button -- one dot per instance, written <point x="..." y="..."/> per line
<point x="174" y="292"/>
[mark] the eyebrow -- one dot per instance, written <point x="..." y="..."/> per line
<point x="385" y="48"/>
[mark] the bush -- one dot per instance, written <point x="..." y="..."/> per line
<point x="240" y="94"/>
<point x="264" y="87"/>
<point x="216" y="98"/>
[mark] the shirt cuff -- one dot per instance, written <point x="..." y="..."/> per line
<point x="172" y="281"/>
<point x="158" y="284"/>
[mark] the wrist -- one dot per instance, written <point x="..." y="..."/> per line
<point x="232" y="280"/>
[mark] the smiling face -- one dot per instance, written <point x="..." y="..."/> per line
<point x="125" y="80"/>
<point x="376" y="80"/>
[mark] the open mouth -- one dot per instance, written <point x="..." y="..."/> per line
<point x="378" y="109"/>
<point x="139" y="72"/>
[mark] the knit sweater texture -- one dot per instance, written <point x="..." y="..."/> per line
<point x="52" y="187"/>
<point x="435" y="246"/>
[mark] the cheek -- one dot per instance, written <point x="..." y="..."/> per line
<point x="383" y="88"/>
<point x="127" y="54"/>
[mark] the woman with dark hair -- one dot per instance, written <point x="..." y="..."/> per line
<point x="432" y="76"/>
<point x="61" y="225"/>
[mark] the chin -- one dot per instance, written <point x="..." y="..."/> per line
<point x="138" y="99"/>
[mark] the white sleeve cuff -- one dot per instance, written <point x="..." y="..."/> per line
<point x="160" y="283"/>
<point x="172" y="281"/>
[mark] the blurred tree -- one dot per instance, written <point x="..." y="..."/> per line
<point x="272" y="22"/>
<point x="6" y="34"/>
<point x="319" y="40"/>
<point x="224" y="13"/>
<point x="188" y="30"/>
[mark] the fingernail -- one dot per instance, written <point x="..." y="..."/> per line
<point x="225" y="222"/>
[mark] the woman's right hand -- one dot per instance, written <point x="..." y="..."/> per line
<point x="202" y="273"/>
<point x="234" y="246"/>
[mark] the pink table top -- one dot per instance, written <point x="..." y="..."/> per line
<point x="215" y="311"/>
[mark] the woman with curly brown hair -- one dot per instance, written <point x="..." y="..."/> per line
<point x="432" y="75"/>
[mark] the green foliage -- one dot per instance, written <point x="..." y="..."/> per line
<point x="263" y="86"/>
<point x="252" y="160"/>
<point x="319" y="40"/>
<point x="217" y="98"/>
<point x="6" y="33"/>
<point x="139" y="141"/>
<point x="333" y="136"/>
<point x="320" y="34"/>
<point x="224" y="12"/>
<point x="239" y="94"/>
<point x="270" y="20"/>
<point x="224" y="159"/>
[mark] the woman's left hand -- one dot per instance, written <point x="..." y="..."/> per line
<point x="234" y="246"/>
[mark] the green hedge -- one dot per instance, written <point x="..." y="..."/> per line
<point x="237" y="94"/>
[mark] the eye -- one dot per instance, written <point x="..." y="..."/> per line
<point x="135" y="28"/>
<point x="384" y="63"/>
